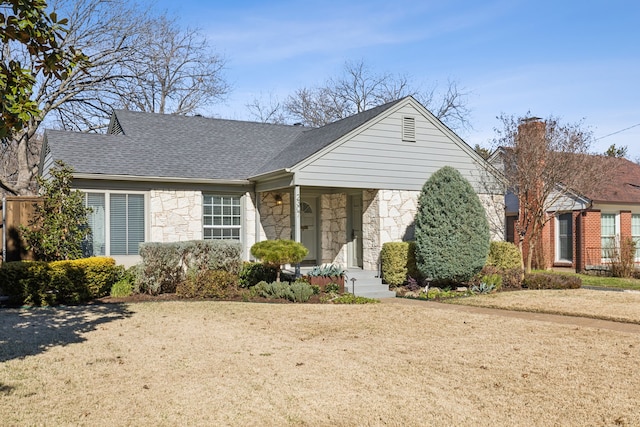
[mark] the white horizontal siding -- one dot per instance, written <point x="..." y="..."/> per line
<point x="377" y="157"/>
<point x="47" y="164"/>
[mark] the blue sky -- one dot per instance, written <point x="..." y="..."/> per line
<point x="578" y="60"/>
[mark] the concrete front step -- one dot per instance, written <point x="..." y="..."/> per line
<point x="367" y="284"/>
<point x="382" y="292"/>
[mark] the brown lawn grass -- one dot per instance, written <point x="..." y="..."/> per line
<point x="609" y="305"/>
<point x="226" y="363"/>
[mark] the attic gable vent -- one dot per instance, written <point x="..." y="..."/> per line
<point x="409" y="129"/>
<point x="116" y="129"/>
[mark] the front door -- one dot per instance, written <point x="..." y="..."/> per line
<point x="355" y="237"/>
<point x="308" y="230"/>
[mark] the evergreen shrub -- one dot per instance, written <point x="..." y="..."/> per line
<point x="452" y="231"/>
<point x="165" y="265"/>
<point x="277" y="252"/>
<point x="398" y="261"/>
<point x="254" y="272"/>
<point x="58" y="282"/>
<point x="504" y="255"/>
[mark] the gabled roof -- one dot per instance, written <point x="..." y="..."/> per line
<point x="313" y="140"/>
<point x="172" y="146"/>
<point x="160" y="145"/>
<point x="622" y="184"/>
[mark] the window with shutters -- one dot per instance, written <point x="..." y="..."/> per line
<point x="222" y="217"/>
<point x="409" y="129"/>
<point x="117" y="223"/>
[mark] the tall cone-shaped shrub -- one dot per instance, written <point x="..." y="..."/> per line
<point x="452" y="231"/>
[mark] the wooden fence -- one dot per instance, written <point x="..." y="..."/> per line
<point x="15" y="211"/>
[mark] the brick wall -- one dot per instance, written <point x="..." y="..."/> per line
<point x="587" y="244"/>
<point x="590" y="238"/>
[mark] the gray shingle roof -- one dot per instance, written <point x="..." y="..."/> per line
<point x="159" y="145"/>
<point x="313" y="140"/>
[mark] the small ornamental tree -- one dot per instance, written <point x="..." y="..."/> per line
<point x="60" y="224"/>
<point x="452" y="231"/>
<point x="274" y="253"/>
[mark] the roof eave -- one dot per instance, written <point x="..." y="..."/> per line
<point x="106" y="177"/>
<point x="613" y="202"/>
<point x="270" y="175"/>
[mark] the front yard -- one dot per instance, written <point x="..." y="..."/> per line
<point x="232" y="363"/>
<point x="605" y="305"/>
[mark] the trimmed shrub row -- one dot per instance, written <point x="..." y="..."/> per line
<point x="503" y="279"/>
<point x="299" y="291"/>
<point x="165" y="265"/>
<point x="551" y="281"/>
<point x="208" y="284"/>
<point x="58" y="282"/>
<point x="399" y="262"/>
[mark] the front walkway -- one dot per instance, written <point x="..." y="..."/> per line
<point x="541" y="317"/>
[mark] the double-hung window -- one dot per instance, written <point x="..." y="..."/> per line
<point x="117" y="223"/>
<point x="564" y="248"/>
<point x="608" y="235"/>
<point x="635" y="232"/>
<point x="222" y="218"/>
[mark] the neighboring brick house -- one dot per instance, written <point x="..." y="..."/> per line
<point x="582" y="234"/>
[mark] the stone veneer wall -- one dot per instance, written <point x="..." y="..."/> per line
<point x="176" y="215"/>
<point x="333" y="222"/>
<point x="275" y="219"/>
<point x="388" y="216"/>
<point x="370" y="230"/>
<point x="397" y="213"/>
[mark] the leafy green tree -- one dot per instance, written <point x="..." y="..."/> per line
<point x="274" y="253"/>
<point x="60" y="223"/>
<point x="452" y="231"/>
<point x="26" y="22"/>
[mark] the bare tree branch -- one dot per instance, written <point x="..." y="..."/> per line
<point x="136" y="60"/>
<point x="267" y="111"/>
<point x="359" y="89"/>
<point x="544" y="161"/>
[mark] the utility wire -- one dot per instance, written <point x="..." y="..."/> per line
<point x="617" y="132"/>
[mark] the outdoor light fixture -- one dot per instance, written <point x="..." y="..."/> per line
<point x="278" y="199"/>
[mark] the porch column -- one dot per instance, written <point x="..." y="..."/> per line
<point x="257" y="209"/>
<point x="296" y="214"/>
<point x="296" y="221"/>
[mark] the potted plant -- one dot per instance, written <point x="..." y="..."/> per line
<point x="324" y="274"/>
